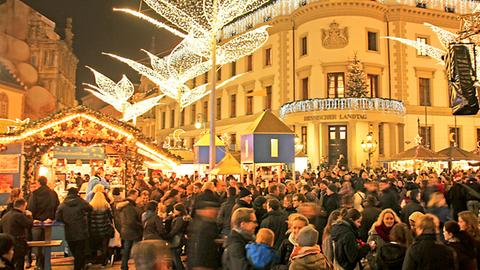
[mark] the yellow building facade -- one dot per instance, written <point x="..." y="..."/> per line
<point x="300" y="74"/>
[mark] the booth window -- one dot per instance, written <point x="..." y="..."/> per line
<point x="454" y="136"/>
<point x="233" y="105"/>
<point x="336" y="86"/>
<point x="193" y="116"/>
<point x="274" y="148"/>
<point x="3" y="105"/>
<point x="268" y="98"/>
<point x="219" y="109"/>
<point x="424" y="91"/>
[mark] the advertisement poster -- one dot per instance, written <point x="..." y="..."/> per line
<point x="6" y="183"/>
<point x="9" y="163"/>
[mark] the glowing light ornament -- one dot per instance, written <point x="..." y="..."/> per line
<point x="118" y="94"/>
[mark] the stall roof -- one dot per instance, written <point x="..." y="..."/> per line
<point x="205" y="141"/>
<point x="457" y="153"/>
<point x="81" y="113"/>
<point x="228" y="165"/>
<point x="418" y="152"/>
<point x="268" y="123"/>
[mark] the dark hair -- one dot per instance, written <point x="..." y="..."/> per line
<point x="232" y="192"/>
<point x="42" y="180"/>
<point x="274" y="204"/>
<point x="402" y="234"/>
<point x="370" y="201"/>
<point x="180" y="207"/>
<point x="6" y="243"/>
<point x="300" y="197"/>
<point x="132" y="192"/>
<point x="152" y="205"/>
<point x="351" y="215"/>
<point x="148" y="253"/>
<point x="116" y="191"/>
<point x="453" y="228"/>
<point x="273" y="188"/>
<point x="414" y="194"/>
<point x="19" y="203"/>
<point x="334" y="216"/>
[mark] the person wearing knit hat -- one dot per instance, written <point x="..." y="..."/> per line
<point x="306" y="254"/>
<point x="333" y="188"/>
<point x="245" y="199"/>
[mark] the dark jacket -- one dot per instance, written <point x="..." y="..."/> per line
<point x="410" y="208"/>
<point x="241" y="203"/>
<point x="6" y="265"/>
<point x="285" y="250"/>
<point x="428" y="254"/>
<point x="130" y="220"/>
<point x="347" y="251"/>
<point x="154" y="229"/>
<point x="179" y="226"/>
<point x="100" y="221"/>
<point x="202" y="251"/>
<point x="331" y="203"/>
<point x="206" y="196"/>
<point x="43" y="203"/>
<point x="235" y="255"/>
<point x="370" y="215"/>
<point x="277" y="222"/>
<point x="390" y="256"/>
<point x="466" y="253"/>
<point x="74" y="213"/>
<point x="457" y="199"/>
<point x="225" y="215"/>
<point x="16" y="223"/>
<point x="390" y="199"/>
<point x="157" y="194"/>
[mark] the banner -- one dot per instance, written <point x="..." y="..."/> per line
<point x="9" y="163"/>
<point x="82" y="153"/>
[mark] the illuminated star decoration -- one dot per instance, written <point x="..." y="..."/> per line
<point x="446" y="38"/>
<point x="118" y="94"/>
<point x="199" y="26"/>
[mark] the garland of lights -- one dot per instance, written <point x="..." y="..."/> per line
<point x="326" y="104"/>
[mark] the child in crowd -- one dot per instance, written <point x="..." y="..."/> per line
<point x="307" y="255"/>
<point x="261" y="254"/>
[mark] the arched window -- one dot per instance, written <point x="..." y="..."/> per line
<point x="3" y="105"/>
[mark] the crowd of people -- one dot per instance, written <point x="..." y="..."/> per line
<point x="330" y="219"/>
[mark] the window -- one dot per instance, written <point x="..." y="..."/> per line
<point x="426" y="134"/>
<point x="233" y="105"/>
<point x="423" y="40"/>
<point x="268" y="98"/>
<point x="373" y="85"/>
<point x="3" y="105"/>
<point x="205" y="77"/>
<point x="234" y="69"/>
<point x="219" y="109"/>
<point x="421" y="4"/>
<point x="233" y="141"/>
<point x="454" y="136"/>
<point x="424" y="91"/>
<point x="250" y="62"/>
<point x="193" y="116"/>
<point x="381" y="140"/>
<point x="305" y="88"/>
<point x="164" y="119"/>
<point x="304" y="138"/>
<point x="249" y="110"/>
<point x="194" y="82"/>
<point x="182" y="117"/>
<point x="268" y="56"/>
<point x="219" y="74"/>
<point x="172" y="119"/>
<point x="205" y="109"/>
<point x="335" y="86"/>
<point x="303" y="46"/>
<point x="478" y="137"/>
<point x="372" y="41"/>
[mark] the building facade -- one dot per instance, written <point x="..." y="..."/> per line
<point x="300" y="74"/>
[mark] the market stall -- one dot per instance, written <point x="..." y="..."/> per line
<point x="459" y="158"/>
<point x="417" y="158"/>
<point x="79" y="140"/>
<point x="229" y="165"/>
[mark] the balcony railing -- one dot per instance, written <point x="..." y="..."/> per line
<point x="351" y="104"/>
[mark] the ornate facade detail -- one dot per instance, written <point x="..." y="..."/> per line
<point x="335" y="37"/>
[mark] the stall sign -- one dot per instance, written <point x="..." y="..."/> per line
<point x="9" y="163"/>
<point x="6" y="183"/>
<point x="82" y="153"/>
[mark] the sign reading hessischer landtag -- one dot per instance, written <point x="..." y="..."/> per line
<point x="75" y="152"/>
<point x="345" y="116"/>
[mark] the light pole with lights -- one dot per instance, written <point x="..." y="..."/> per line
<point x="369" y="146"/>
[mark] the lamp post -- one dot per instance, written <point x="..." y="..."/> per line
<point x="201" y="122"/>
<point x="369" y="145"/>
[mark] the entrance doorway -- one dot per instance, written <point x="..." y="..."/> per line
<point x="337" y="145"/>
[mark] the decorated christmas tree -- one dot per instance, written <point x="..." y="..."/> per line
<point x="356" y="83"/>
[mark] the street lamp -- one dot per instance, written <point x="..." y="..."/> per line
<point x="201" y="121"/>
<point x="369" y="145"/>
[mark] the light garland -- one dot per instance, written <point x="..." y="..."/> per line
<point x="357" y="104"/>
<point x="118" y="94"/>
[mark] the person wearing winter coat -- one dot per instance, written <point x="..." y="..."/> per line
<point x="202" y="251"/>
<point x="225" y="213"/>
<point x="101" y="227"/>
<point x="389" y="197"/>
<point x="380" y="233"/>
<point x="153" y="222"/>
<point x="176" y="236"/>
<point x="437" y="205"/>
<point x="390" y="256"/>
<point x="73" y="212"/>
<point x="412" y="206"/>
<point x="426" y="253"/>
<point x="6" y="252"/>
<point x="275" y="220"/>
<point x="307" y="254"/>
<point x="131" y="229"/>
<point x="234" y="256"/>
<point x="260" y="254"/>
<point x="245" y="199"/>
<point x="348" y="248"/>
<point x="295" y="223"/>
<point x="16" y="223"/>
<point x="369" y="216"/>
<point x="462" y="243"/>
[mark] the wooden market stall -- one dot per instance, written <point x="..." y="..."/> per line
<point x="459" y="158"/>
<point x="416" y="158"/>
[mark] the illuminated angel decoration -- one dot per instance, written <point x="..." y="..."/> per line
<point x="118" y="94"/>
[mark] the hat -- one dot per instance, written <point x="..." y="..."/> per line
<point x="206" y="204"/>
<point x="415" y="216"/>
<point x="333" y="188"/>
<point x="244" y="192"/>
<point x="307" y="237"/>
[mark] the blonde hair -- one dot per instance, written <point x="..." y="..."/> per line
<point x="265" y="236"/>
<point x="208" y="185"/>
<point x="296" y="216"/>
<point x="99" y="202"/>
<point x="382" y="216"/>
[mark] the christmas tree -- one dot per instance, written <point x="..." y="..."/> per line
<point x="356" y="83"/>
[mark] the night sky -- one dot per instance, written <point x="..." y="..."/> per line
<point x="97" y="28"/>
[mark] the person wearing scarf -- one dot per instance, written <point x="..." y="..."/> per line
<point x="306" y="254"/>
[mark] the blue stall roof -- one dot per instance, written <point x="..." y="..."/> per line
<point x="268" y="123"/>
